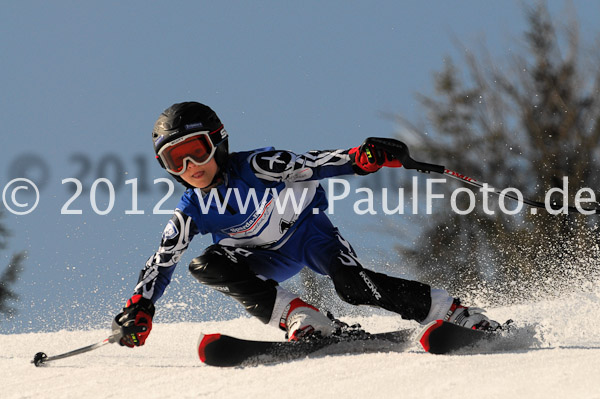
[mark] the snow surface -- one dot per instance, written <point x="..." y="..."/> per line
<point x="562" y="361"/>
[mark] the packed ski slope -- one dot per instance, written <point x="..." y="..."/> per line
<point x="563" y="361"/>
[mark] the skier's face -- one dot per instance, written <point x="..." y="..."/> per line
<point x="200" y="176"/>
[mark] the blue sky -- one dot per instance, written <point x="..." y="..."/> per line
<point x="85" y="81"/>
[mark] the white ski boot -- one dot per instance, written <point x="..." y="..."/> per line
<point x="445" y="307"/>
<point x="470" y="317"/>
<point x="304" y="321"/>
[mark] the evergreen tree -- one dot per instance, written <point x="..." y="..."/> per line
<point x="524" y="125"/>
<point x="9" y="276"/>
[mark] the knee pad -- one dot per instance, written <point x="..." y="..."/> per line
<point x="226" y="270"/>
<point x="219" y="263"/>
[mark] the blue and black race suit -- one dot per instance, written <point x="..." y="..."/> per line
<point x="267" y="221"/>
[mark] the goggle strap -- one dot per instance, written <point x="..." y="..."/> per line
<point x="216" y="137"/>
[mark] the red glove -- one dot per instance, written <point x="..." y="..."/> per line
<point x="134" y="323"/>
<point x="372" y="155"/>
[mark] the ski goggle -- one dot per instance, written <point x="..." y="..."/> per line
<point x="196" y="147"/>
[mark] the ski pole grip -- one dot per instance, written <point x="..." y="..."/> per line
<point x="400" y="151"/>
<point x="423" y="166"/>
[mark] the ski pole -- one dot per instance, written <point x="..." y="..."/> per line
<point x="529" y="202"/>
<point x="400" y="151"/>
<point x="41" y="358"/>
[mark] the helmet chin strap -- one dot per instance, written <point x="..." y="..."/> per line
<point x="217" y="180"/>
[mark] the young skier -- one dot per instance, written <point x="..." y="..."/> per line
<point x="234" y="198"/>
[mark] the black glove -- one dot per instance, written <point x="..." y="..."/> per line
<point x="133" y="325"/>
<point x="373" y="154"/>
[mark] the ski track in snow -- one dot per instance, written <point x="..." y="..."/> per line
<point x="562" y="362"/>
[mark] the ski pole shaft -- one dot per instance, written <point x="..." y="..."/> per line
<point x="473" y="182"/>
<point x="536" y="204"/>
<point x="41" y="358"/>
<point x="400" y="152"/>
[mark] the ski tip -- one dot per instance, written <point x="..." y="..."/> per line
<point x="426" y="333"/>
<point x="203" y="342"/>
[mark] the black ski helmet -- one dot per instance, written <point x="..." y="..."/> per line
<point x="184" y="118"/>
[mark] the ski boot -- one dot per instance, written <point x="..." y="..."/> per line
<point x="447" y="308"/>
<point x="303" y="321"/>
<point x="470" y="317"/>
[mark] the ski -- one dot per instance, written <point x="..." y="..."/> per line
<point x="227" y="351"/>
<point x="438" y="337"/>
<point x="441" y="337"/>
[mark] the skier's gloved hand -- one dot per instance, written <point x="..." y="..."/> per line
<point x="372" y="155"/>
<point x="134" y="323"/>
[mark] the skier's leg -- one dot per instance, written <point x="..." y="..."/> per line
<point x="410" y="299"/>
<point x="226" y="270"/>
<point x="359" y="286"/>
<point x="230" y="270"/>
<point x="327" y="252"/>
